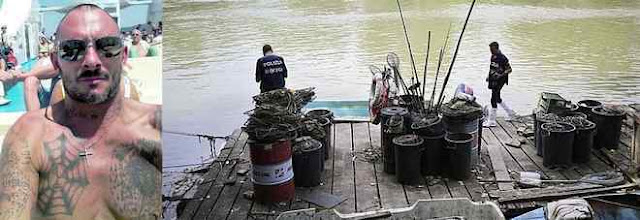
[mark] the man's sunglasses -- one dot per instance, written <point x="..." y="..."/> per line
<point x="74" y="50"/>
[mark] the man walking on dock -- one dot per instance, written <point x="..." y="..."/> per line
<point x="270" y="70"/>
<point x="499" y="71"/>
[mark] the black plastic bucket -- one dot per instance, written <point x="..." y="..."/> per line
<point x="457" y="126"/>
<point x="432" y="155"/>
<point x="387" y="112"/>
<point x="307" y="162"/>
<point x="583" y="141"/>
<point x="320" y="113"/>
<point x="585" y="106"/>
<point x="407" y="157"/>
<point x="480" y="122"/>
<point x="326" y="142"/>
<point x="458" y="149"/>
<point x="609" y="126"/>
<point x="393" y="128"/>
<point x="432" y="132"/>
<point x="557" y="140"/>
<point x="537" y="131"/>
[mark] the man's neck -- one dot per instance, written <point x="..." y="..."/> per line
<point x="86" y="119"/>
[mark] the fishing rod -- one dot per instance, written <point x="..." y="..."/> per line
<point x="440" y="57"/>
<point x="433" y="92"/>
<point x="426" y="61"/>
<point x="455" y="54"/>
<point x="406" y="36"/>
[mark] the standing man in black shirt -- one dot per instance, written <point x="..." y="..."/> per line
<point x="270" y="70"/>
<point x="498" y="77"/>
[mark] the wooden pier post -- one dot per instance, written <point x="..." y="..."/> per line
<point x="635" y="141"/>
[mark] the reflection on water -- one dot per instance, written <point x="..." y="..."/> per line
<point x="584" y="49"/>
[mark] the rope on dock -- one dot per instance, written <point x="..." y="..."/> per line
<point x="208" y="136"/>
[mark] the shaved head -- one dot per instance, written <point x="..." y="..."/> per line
<point x="89" y="16"/>
<point x="94" y="78"/>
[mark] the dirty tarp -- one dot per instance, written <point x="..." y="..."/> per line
<point x="461" y="110"/>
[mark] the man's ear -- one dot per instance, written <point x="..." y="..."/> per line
<point x="54" y="60"/>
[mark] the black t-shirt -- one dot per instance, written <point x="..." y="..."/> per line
<point x="270" y="72"/>
<point x="499" y="64"/>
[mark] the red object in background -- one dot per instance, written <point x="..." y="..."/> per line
<point x="272" y="171"/>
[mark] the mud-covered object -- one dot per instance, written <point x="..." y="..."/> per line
<point x="305" y="144"/>
<point x="277" y="114"/>
<point x="313" y="128"/>
<point x="291" y="99"/>
<point x="461" y="110"/>
<point x="579" y="122"/>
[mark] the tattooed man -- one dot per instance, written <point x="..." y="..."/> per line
<point x="93" y="155"/>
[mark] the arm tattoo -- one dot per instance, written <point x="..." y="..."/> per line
<point x="135" y="179"/>
<point x="62" y="179"/>
<point x="15" y="188"/>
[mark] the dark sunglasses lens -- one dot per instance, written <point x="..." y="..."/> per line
<point x="109" y="46"/>
<point x="72" y="50"/>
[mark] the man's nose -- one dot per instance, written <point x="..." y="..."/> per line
<point x="91" y="59"/>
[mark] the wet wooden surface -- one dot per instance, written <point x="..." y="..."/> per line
<point x="364" y="184"/>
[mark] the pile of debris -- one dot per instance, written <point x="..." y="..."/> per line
<point x="277" y="114"/>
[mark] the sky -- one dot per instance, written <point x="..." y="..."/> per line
<point x="131" y="15"/>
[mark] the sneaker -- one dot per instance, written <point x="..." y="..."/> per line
<point x="489" y="123"/>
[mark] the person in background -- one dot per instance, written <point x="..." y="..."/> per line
<point x="270" y="70"/>
<point x="499" y="71"/>
<point x="44" y="47"/>
<point x="138" y="47"/>
<point x="6" y="77"/>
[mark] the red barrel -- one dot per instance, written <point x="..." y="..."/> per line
<point x="272" y="171"/>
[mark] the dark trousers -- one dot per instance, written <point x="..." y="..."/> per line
<point x="495" y="95"/>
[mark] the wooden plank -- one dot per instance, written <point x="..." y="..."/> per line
<point x="485" y="169"/>
<point x="439" y="190"/>
<point x="241" y="206"/>
<point x="193" y="206"/>
<point x="564" y="193"/>
<point x="260" y="211"/>
<point x="497" y="160"/>
<point x="218" y="184"/>
<point x="391" y="193"/>
<point x="343" y="178"/>
<point x="457" y="189"/>
<point x="414" y="193"/>
<point x="517" y="153"/>
<point x="365" y="181"/>
<point x="635" y="143"/>
<point x="227" y="196"/>
<point x="529" y="149"/>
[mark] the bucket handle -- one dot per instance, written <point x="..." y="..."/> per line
<point x="546" y="132"/>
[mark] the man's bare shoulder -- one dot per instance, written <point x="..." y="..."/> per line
<point x="31" y="123"/>
<point x="142" y="111"/>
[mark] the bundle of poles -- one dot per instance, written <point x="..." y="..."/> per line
<point x="414" y="89"/>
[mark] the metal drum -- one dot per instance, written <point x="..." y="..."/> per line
<point x="272" y="171"/>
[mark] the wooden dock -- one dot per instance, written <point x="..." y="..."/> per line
<point x="366" y="187"/>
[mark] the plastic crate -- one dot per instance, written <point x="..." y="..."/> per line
<point x="552" y="103"/>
